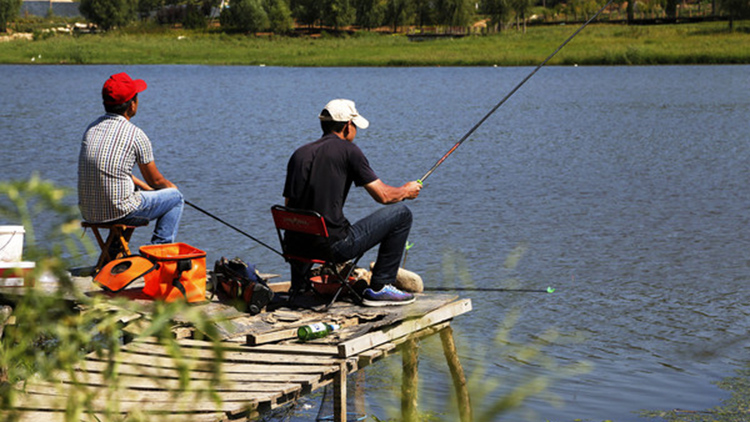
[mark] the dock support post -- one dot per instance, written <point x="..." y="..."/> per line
<point x="457" y="372"/>
<point x="410" y="381"/>
<point x="339" y="394"/>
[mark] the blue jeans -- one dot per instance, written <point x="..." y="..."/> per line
<point x="165" y="206"/>
<point x="389" y="227"/>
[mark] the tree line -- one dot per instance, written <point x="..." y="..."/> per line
<point x="283" y="16"/>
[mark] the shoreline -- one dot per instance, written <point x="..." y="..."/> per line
<point x="704" y="43"/>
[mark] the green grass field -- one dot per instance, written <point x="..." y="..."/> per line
<point x="598" y="44"/>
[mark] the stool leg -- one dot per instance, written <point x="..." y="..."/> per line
<point x="104" y="255"/>
<point x="125" y="239"/>
<point x="112" y="249"/>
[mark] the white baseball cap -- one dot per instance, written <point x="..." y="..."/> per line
<point x="344" y="111"/>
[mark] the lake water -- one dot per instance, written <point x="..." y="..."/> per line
<point x="625" y="188"/>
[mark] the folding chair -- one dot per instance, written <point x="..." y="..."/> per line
<point x="313" y="225"/>
<point x="116" y="245"/>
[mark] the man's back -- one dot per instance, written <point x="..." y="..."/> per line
<point x="319" y="176"/>
<point x="110" y="148"/>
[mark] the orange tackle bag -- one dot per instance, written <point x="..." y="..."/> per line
<point x="180" y="272"/>
<point x="116" y="275"/>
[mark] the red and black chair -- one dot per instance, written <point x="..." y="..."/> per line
<point x="305" y="244"/>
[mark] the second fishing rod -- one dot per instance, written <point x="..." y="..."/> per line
<point x="510" y="94"/>
<point x="461" y="141"/>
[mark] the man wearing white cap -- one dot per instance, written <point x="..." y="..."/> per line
<point x="319" y="176"/>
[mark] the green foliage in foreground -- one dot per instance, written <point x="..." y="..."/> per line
<point x="54" y="331"/>
<point x="601" y="44"/>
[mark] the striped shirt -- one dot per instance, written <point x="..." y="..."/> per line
<point x="110" y="149"/>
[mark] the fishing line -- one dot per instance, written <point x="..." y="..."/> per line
<point x="513" y="91"/>
<point x="229" y="225"/>
<point x="481" y="289"/>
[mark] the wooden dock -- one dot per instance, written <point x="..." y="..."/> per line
<point x="262" y="366"/>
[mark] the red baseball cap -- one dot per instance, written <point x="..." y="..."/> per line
<point x="121" y="88"/>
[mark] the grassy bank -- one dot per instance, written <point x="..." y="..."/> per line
<point x="598" y="44"/>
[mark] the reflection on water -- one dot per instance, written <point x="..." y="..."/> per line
<point x="624" y="187"/>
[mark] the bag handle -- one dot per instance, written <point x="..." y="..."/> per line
<point x="182" y="266"/>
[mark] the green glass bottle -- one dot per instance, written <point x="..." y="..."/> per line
<point x="317" y="330"/>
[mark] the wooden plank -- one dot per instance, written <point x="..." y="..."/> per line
<point x="170" y="384"/>
<point x="265" y="372"/>
<point x="254" y="339"/>
<point x="293" y="347"/>
<point x="143" y="404"/>
<point x="246" y="356"/>
<point x="433" y="329"/>
<point x="37" y="416"/>
<point x="280" y="286"/>
<point x="369" y="356"/>
<point x="204" y="365"/>
<point x="276" y="335"/>
<point x="299" y="348"/>
<point x="128" y="395"/>
<point x="60" y="416"/>
<point x="376" y="338"/>
<point x="384" y="350"/>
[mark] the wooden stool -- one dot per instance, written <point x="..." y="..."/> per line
<point x="116" y="245"/>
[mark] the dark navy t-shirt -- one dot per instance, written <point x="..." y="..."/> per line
<point x="319" y="175"/>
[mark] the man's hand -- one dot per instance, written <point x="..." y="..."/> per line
<point x="386" y="194"/>
<point x="412" y="189"/>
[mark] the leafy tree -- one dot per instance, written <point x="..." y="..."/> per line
<point x="424" y="12"/>
<point x="454" y="12"/>
<point x="145" y="7"/>
<point x="522" y="9"/>
<point x="245" y="15"/>
<point x="735" y="9"/>
<point x="8" y="12"/>
<point x="671" y="9"/>
<point x="630" y="10"/>
<point x="498" y="11"/>
<point x="369" y="13"/>
<point x="194" y="17"/>
<point x="108" y="14"/>
<point x="337" y="13"/>
<point x="306" y="12"/>
<point x="279" y="16"/>
<point x="397" y="12"/>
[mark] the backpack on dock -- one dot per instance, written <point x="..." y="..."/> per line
<point x="241" y="283"/>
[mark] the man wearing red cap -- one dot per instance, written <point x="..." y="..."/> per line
<point x="107" y="188"/>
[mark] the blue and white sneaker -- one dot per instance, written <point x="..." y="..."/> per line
<point x="387" y="296"/>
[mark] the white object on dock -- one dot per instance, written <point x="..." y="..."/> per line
<point x="11" y="243"/>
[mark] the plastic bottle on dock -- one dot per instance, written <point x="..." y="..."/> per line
<point x="317" y="330"/>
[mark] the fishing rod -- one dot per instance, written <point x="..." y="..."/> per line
<point x="229" y="225"/>
<point x="513" y="91"/>
<point x="481" y="289"/>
